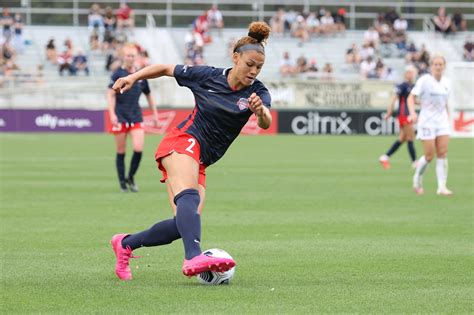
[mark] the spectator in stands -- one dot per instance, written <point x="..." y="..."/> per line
<point x="114" y="56"/>
<point x="125" y="18"/>
<point x="290" y="18"/>
<point x="18" y="33"/>
<point x="95" y="20"/>
<point x="352" y="55"/>
<point x="51" y="53"/>
<point x="379" y="22"/>
<point x="391" y="16"/>
<point x="442" y="22"/>
<point x="201" y="26"/>
<point x="110" y="27"/>
<point x="328" y="71"/>
<point x="400" y="25"/>
<point x="367" y="67"/>
<point x="458" y="24"/>
<point x="7" y="22"/>
<point x="371" y="37"/>
<point x="301" y="64"/>
<point x="367" y="51"/>
<point x="468" y="49"/>
<point x="380" y="71"/>
<point x="313" y="23"/>
<point x="94" y="42"/>
<point x="68" y="46"/>
<point x="411" y="52"/>
<point x="79" y="62"/>
<point x="327" y="23"/>
<point x="300" y="29"/>
<point x="313" y="67"/>
<point x="340" y="20"/>
<point x="277" y="23"/>
<point x="215" y="19"/>
<point x="65" y="62"/>
<point x="287" y="66"/>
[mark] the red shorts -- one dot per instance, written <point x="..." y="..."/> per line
<point x="125" y="127"/>
<point x="403" y="120"/>
<point x="180" y="142"/>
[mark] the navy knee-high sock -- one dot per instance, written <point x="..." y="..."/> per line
<point x="162" y="233"/>
<point x="188" y="221"/>
<point x="394" y="147"/>
<point x="134" y="163"/>
<point x="120" y="165"/>
<point x="411" y="150"/>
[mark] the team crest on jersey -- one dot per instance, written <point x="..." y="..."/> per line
<point x="243" y="103"/>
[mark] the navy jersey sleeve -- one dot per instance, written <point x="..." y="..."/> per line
<point x="191" y="76"/>
<point x="113" y="78"/>
<point x="398" y="89"/>
<point x="264" y="95"/>
<point x="145" y="87"/>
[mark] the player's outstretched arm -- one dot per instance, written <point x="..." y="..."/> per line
<point x="154" y="71"/>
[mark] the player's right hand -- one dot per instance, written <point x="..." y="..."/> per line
<point x="114" y="120"/>
<point x="123" y="84"/>
<point x="412" y="118"/>
<point x="387" y="115"/>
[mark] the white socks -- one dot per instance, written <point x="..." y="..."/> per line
<point x="442" y="173"/>
<point x="420" y="169"/>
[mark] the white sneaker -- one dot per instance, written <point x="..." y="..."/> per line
<point x="414" y="164"/>
<point x="444" y="192"/>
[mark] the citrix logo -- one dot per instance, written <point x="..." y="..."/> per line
<point x="313" y="123"/>
<point x="377" y="125"/>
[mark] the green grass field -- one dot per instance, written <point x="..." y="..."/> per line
<point x="314" y="223"/>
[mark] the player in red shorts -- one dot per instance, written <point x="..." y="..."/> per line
<point x="407" y="132"/>
<point x="225" y="100"/>
<point x="126" y="118"/>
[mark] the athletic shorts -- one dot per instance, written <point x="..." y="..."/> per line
<point x="430" y="132"/>
<point x="180" y="142"/>
<point x="403" y="120"/>
<point x="125" y="127"/>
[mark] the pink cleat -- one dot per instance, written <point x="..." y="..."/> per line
<point x="123" y="255"/>
<point x="385" y="161"/>
<point x="419" y="190"/>
<point x="204" y="263"/>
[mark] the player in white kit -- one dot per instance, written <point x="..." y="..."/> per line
<point x="432" y="91"/>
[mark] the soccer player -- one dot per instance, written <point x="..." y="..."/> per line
<point x="433" y="128"/>
<point x="126" y="117"/>
<point x="225" y="99"/>
<point x="407" y="132"/>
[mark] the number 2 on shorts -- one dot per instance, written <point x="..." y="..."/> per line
<point x="193" y="143"/>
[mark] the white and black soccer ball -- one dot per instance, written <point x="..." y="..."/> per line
<point x="213" y="277"/>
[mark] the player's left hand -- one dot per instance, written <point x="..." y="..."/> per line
<point x="256" y="105"/>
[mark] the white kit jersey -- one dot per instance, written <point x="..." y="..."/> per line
<point x="433" y="96"/>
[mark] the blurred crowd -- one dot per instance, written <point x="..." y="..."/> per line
<point x="109" y="31"/>
<point x="199" y="35"/>
<point x="304" y="25"/>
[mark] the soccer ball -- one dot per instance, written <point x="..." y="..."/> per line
<point x="213" y="277"/>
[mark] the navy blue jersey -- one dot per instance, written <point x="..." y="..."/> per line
<point x="220" y="112"/>
<point x="127" y="108"/>
<point x="403" y="90"/>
